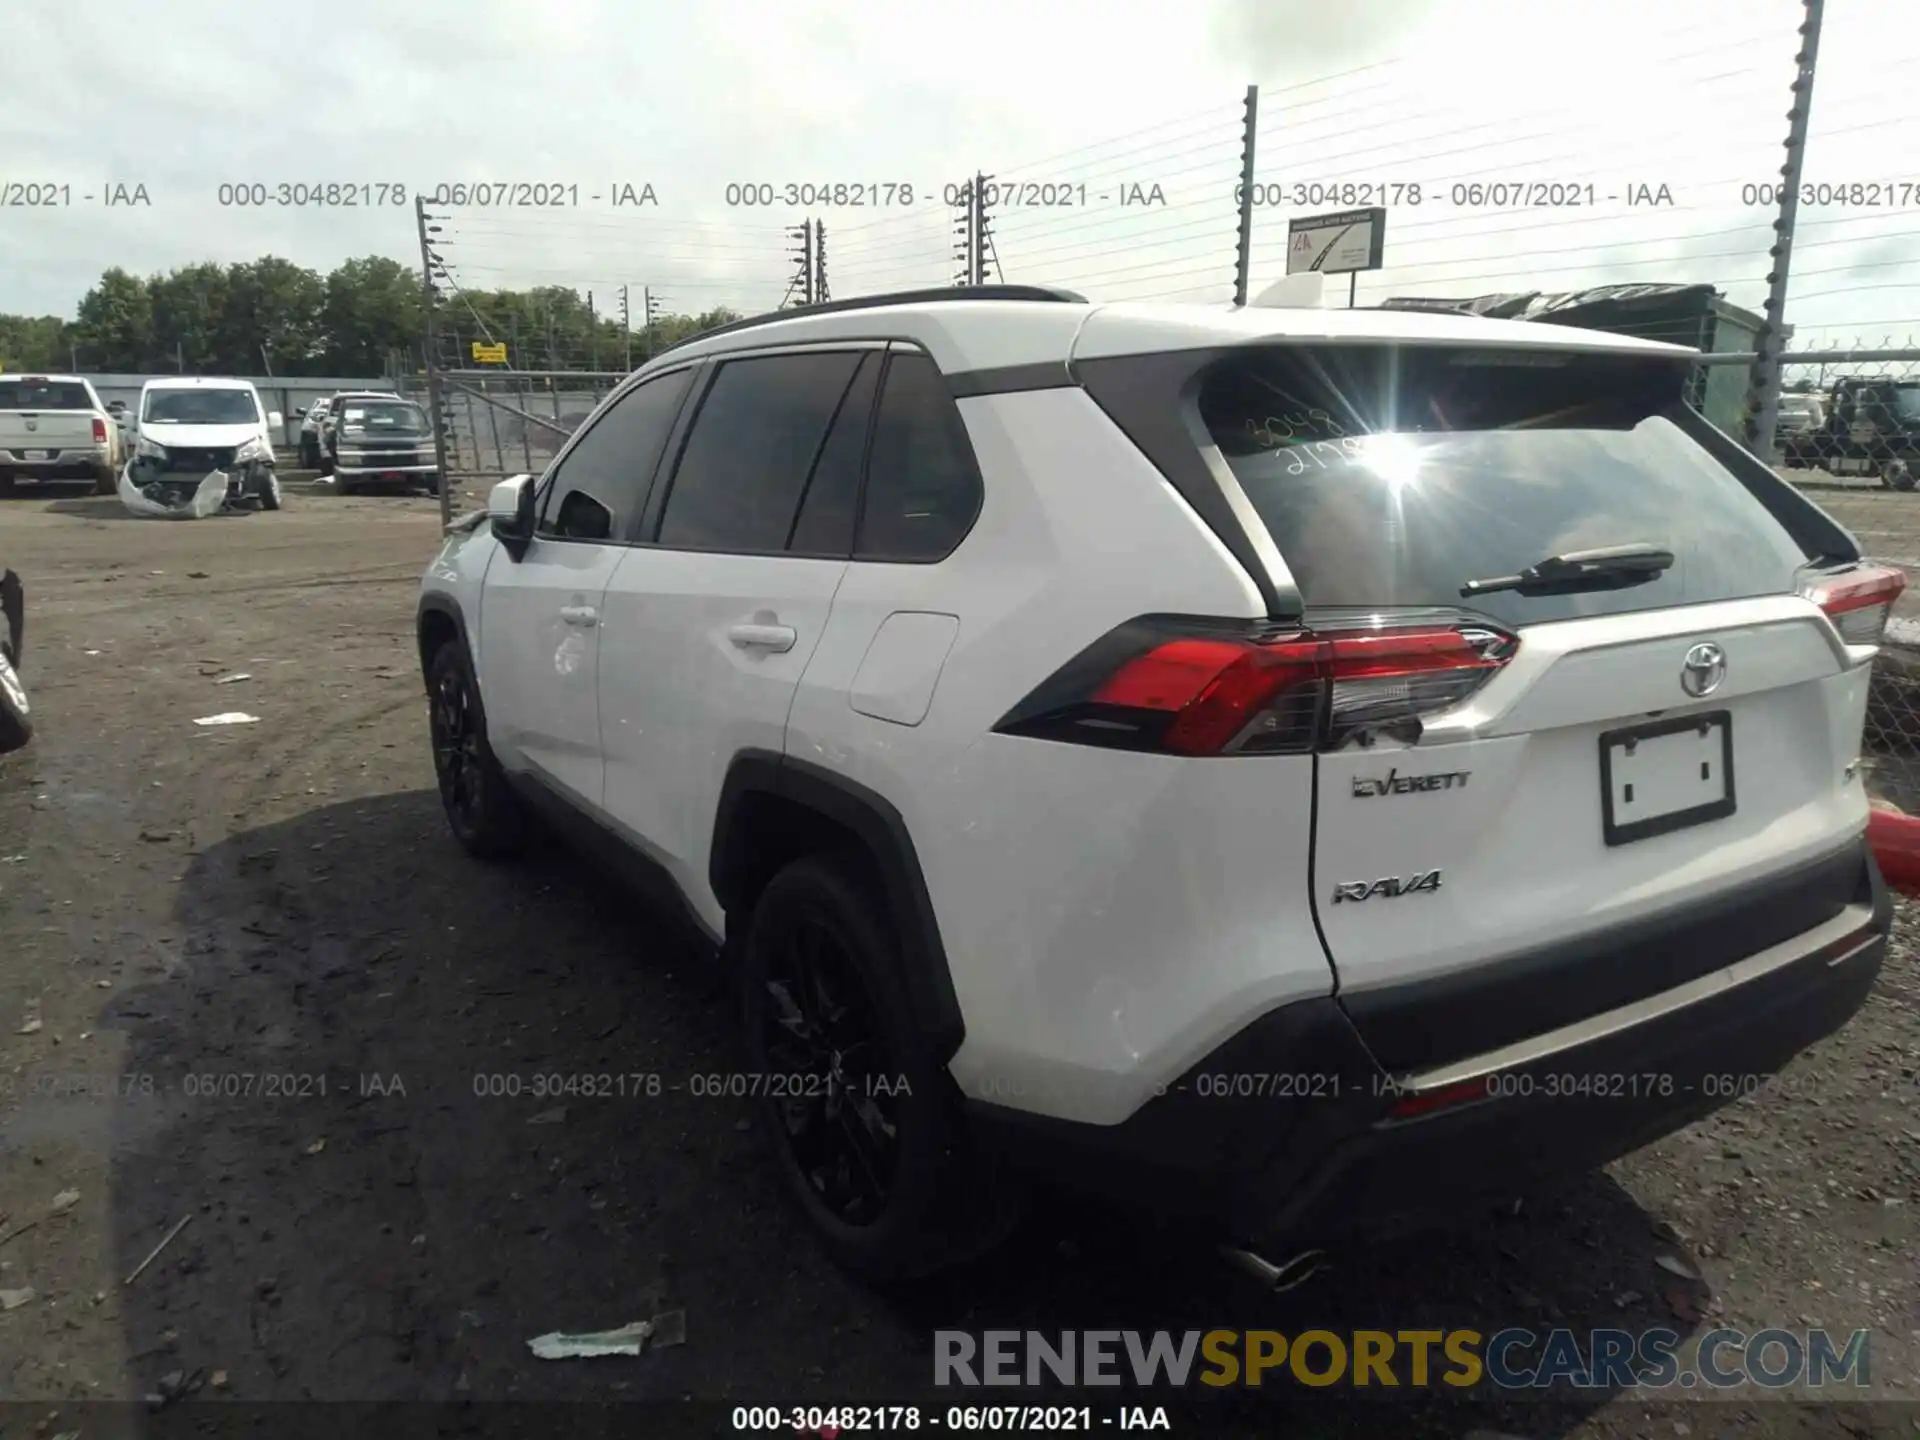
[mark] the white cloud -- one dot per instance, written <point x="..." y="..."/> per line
<point x="692" y="98"/>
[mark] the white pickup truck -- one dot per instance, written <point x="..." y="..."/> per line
<point x="53" y="427"/>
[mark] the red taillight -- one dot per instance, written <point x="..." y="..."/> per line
<point x="99" y="431"/>
<point x="1155" y="685"/>
<point x="1858" y="601"/>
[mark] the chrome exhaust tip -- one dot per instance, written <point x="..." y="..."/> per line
<point x="1288" y="1275"/>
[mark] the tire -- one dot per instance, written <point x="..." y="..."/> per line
<point x="344" y="487"/>
<point x="1898" y="474"/>
<point x="6" y="482"/>
<point x="16" y="716"/>
<point x="486" y="817"/>
<point x="936" y="1203"/>
<point x="267" y="491"/>
<point x="309" y="453"/>
<point x="106" y="482"/>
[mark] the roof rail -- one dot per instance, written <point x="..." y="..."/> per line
<point x="945" y="294"/>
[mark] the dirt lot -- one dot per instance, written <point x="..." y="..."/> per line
<point x="277" y="988"/>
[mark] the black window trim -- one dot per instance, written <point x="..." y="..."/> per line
<point x="543" y="487"/>
<point x="656" y="508"/>
<point x="860" y="476"/>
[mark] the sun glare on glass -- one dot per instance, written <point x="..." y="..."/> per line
<point x="1394" y="458"/>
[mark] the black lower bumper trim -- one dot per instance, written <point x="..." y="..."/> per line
<point x="1286" y="1135"/>
<point x="1433" y="1022"/>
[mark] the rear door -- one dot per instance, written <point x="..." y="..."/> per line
<point x="1601" y="755"/>
<point x="712" y="620"/>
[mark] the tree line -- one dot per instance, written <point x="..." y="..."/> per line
<point x="273" y="317"/>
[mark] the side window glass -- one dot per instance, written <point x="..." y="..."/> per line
<point x="825" y="523"/>
<point x="602" y="482"/>
<point x="923" y="486"/>
<point x="755" y="441"/>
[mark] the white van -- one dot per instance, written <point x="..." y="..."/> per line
<point x="188" y="428"/>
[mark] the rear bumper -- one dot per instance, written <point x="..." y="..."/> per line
<point x="1287" y="1135"/>
<point x="67" y="463"/>
<point x="381" y="472"/>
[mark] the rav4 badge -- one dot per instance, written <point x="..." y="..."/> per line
<point x="1423" y="882"/>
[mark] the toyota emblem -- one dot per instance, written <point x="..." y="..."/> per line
<point x="1703" y="670"/>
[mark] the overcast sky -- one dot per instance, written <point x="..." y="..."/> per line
<point x="190" y="95"/>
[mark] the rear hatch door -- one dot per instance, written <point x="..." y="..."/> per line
<point x="1649" y="772"/>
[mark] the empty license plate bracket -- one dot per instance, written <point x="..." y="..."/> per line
<point x="1665" y="776"/>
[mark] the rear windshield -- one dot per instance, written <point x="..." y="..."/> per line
<point x="43" y="395"/>
<point x="1906" y="402"/>
<point x="1392" y="476"/>
<point x="201" y="407"/>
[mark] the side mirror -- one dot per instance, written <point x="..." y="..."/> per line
<point x="510" y="507"/>
<point x="276" y="420"/>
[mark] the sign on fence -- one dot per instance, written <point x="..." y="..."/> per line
<point x="1339" y="243"/>
<point x="489" y="354"/>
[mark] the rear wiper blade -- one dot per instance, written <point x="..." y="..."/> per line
<point x="1603" y="569"/>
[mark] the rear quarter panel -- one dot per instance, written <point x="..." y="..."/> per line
<point x="1106" y="916"/>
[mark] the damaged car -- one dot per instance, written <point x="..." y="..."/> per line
<point x="201" y="446"/>
<point x="16" y="717"/>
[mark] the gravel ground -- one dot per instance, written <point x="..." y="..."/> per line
<point x="246" y="978"/>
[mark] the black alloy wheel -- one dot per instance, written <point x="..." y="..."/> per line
<point x="831" y="1077"/>
<point x="482" y="810"/>
<point x="456" y="748"/>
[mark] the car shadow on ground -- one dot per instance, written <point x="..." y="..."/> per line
<point x="51" y="495"/>
<point x="422" y="1109"/>
<point x="108" y="507"/>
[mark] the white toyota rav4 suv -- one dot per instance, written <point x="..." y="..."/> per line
<point x="1307" y="771"/>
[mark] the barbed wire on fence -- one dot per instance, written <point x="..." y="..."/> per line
<point x="1149" y="220"/>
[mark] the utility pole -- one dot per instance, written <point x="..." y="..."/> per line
<point x="982" y="229"/>
<point x="431" y="296"/>
<point x="652" y="303"/>
<point x="819" y="262"/>
<point x="626" y="330"/>
<point x="593" y="333"/>
<point x="1763" y="381"/>
<point x="1243" y="250"/>
<point x="971" y="252"/>
<point x="802" y="281"/>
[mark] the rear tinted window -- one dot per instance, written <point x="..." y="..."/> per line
<point x="923" y="489"/>
<point x="754" y="443"/>
<point x="1392" y="476"/>
<point x="43" y="395"/>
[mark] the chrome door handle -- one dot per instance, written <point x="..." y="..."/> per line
<point x="777" y="638"/>
<point x="580" y="615"/>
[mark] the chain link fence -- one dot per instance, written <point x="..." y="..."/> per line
<point x="1848" y="434"/>
<point x="499" y="423"/>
